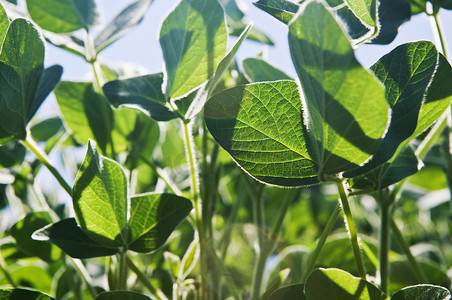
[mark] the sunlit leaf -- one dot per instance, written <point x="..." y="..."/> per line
<point x="282" y="10"/>
<point x="422" y="292"/>
<point x="22" y="294"/>
<point x="365" y="10"/>
<point x="193" y="39"/>
<point x="257" y="70"/>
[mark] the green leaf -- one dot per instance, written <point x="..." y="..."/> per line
<point x="237" y="28"/>
<point x="4" y="24"/>
<point x="12" y="154"/>
<point x="422" y="292"/>
<point x="153" y="218"/>
<point x="121" y="24"/>
<point x="208" y="89"/>
<point x="346" y="112"/>
<point x="257" y="70"/>
<point x="46" y="129"/>
<point x="391" y="15"/>
<point x="407" y="73"/>
<point x="365" y="10"/>
<point x="282" y="10"/>
<point x="68" y="42"/>
<point x="21" y="65"/>
<point x="67" y="235"/>
<point x="418" y="6"/>
<point x="88" y="11"/>
<point x="100" y="199"/>
<point x="22" y="231"/>
<point x="57" y="16"/>
<point x="121" y="295"/>
<point x="338" y="284"/>
<point x="261" y="126"/>
<point x="82" y="110"/>
<point x="33" y="277"/>
<point x="291" y="292"/>
<point x="22" y="294"/>
<point x="193" y="39"/>
<point x="143" y="93"/>
<point x="233" y="11"/>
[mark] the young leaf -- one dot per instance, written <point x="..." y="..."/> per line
<point x="21" y="67"/>
<point x="261" y="126"/>
<point x="257" y="70"/>
<point x="291" y="292"/>
<point x="422" y="292"/>
<point x="100" y="199"/>
<point x="122" y="23"/>
<point x="282" y="10"/>
<point x="408" y="72"/>
<point x="57" y="16"/>
<point x="22" y="231"/>
<point x="153" y="218"/>
<point x="143" y="93"/>
<point x="338" y="284"/>
<point x="345" y="109"/>
<point x="122" y="295"/>
<point x="67" y="235"/>
<point x="18" y="294"/>
<point x="193" y="39"/>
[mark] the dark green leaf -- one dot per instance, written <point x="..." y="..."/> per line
<point x="23" y="230"/>
<point x="261" y="126"/>
<point x="422" y="292"/>
<point x="122" y="295"/>
<point x="282" y="10"/>
<point x="21" y="67"/>
<point x="11" y="154"/>
<point x="193" y="39"/>
<point x="4" y="24"/>
<point x="407" y="73"/>
<point x="143" y="92"/>
<point x="22" y="294"/>
<point x="292" y="292"/>
<point x="49" y="79"/>
<point x="88" y="11"/>
<point x="67" y="235"/>
<point x="82" y="110"/>
<point x="418" y="6"/>
<point x="57" y="16"/>
<point x="100" y="199"/>
<point x="153" y="218"/>
<point x="391" y="15"/>
<point x="46" y="129"/>
<point x="346" y="111"/>
<point x="233" y="11"/>
<point x="257" y="70"/>
<point x="3" y="197"/>
<point x="122" y="23"/>
<point x="337" y="284"/>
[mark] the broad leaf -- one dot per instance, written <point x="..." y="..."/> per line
<point x="4" y="24"/>
<point x="46" y="129"/>
<point x="57" y="16"/>
<point x="23" y="230"/>
<point x="22" y="294"/>
<point x="12" y="154"/>
<point x="338" y="284"/>
<point x="391" y="15"/>
<point x="21" y="65"/>
<point x="36" y="278"/>
<point x="207" y="90"/>
<point x="68" y="42"/>
<point x="422" y="292"/>
<point x="193" y="39"/>
<point x="257" y="70"/>
<point x="100" y="199"/>
<point x="143" y="93"/>
<point x="261" y="126"/>
<point x="233" y="11"/>
<point x="153" y="218"/>
<point x="67" y="235"/>
<point x="365" y="10"/>
<point x="282" y="10"/>
<point x="122" y="23"/>
<point x="407" y="73"/>
<point x="237" y="28"/>
<point x="49" y="80"/>
<point x="291" y="292"/>
<point x="121" y="295"/>
<point x="345" y="109"/>
<point x="88" y="11"/>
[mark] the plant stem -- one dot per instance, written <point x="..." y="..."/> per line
<point x="42" y="156"/>
<point x="144" y="280"/>
<point x="439" y="31"/>
<point x="81" y="270"/>
<point x="418" y="272"/>
<point x="262" y="255"/>
<point x="352" y="230"/>
<point x="4" y="269"/>
<point x="385" y="206"/>
<point x="321" y="242"/>
<point x="122" y="270"/>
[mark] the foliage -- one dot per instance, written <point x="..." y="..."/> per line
<point x="178" y="194"/>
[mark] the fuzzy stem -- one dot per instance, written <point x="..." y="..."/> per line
<point x="352" y="230"/>
<point x="258" y="274"/>
<point x="122" y="270"/>
<point x="321" y="242"/>
<point x="33" y="147"/>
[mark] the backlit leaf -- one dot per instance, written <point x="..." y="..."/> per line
<point x="365" y="10"/>
<point x="88" y="11"/>
<point x="282" y="10"/>
<point x="22" y="294"/>
<point x="422" y="292"/>
<point x="257" y="70"/>
<point x="193" y="39"/>
<point x="4" y="24"/>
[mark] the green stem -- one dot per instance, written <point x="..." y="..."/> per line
<point x="4" y="269"/>
<point x="321" y="242"/>
<point x="418" y="272"/>
<point x="350" y="224"/>
<point x="385" y="206"/>
<point x="262" y="252"/>
<point x="83" y="273"/>
<point x="42" y="156"/>
<point x="122" y="270"/>
<point x="442" y="38"/>
<point x="144" y="280"/>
